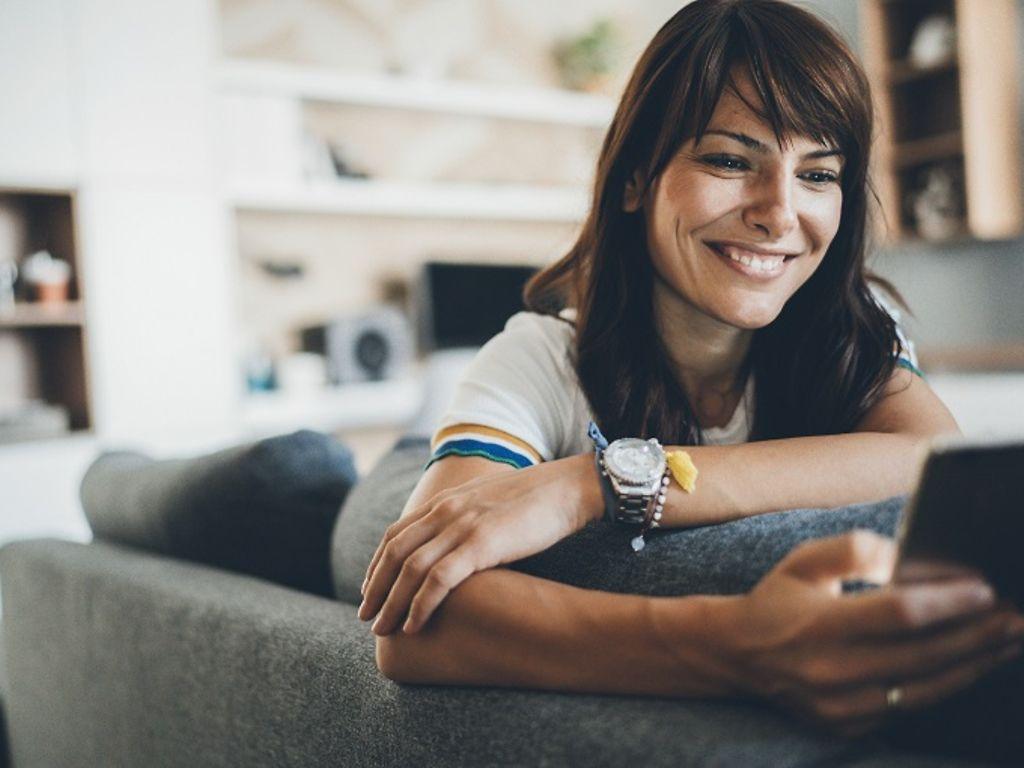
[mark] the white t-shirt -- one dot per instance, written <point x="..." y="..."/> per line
<point x="520" y="402"/>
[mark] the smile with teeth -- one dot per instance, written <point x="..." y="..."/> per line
<point x="758" y="262"/>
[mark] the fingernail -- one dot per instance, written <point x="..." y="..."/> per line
<point x="376" y="626"/>
<point x="362" y="611"/>
<point x="983" y="595"/>
<point x="408" y="627"/>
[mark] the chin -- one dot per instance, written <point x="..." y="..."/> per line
<point x="750" y="318"/>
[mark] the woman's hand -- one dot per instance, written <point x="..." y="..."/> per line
<point x="488" y="521"/>
<point x="834" y="659"/>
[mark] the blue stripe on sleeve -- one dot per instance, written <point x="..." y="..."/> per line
<point x="903" y="362"/>
<point x="483" y="449"/>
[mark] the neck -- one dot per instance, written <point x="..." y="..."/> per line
<point x="706" y="354"/>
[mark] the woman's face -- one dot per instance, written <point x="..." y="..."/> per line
<point x="736" y="224"/>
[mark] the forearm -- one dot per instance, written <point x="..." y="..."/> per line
<point x="737" y="481"/>
<point x="504" y="628"/>
<point x="806" y="472"/>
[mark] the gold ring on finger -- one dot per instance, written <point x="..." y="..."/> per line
<point x="893" y="697"/>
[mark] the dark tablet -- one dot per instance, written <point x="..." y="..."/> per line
<point x="969" y="510"/>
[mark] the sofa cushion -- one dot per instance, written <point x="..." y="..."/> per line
<point x="720" y="559"/>
<point x="265" y="509"/>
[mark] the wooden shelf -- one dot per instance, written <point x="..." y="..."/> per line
<point x="500" y="202"/>
<point x="940" y="147"/>
<point x="901" y="72"/>
<point x="41" y="315"/>
<point x="547" y="105"/>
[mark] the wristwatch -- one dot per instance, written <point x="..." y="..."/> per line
<point x="635" y="468"/>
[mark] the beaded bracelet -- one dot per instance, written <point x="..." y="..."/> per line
<point x="652" y="518"/>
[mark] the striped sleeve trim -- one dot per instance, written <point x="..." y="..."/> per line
<point x="486" y="442"/>
<point x="903" y="362"/>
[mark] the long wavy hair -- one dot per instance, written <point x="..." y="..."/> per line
<point x="824" y="361"/>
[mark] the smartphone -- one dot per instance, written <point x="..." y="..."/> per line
<point x="968" y="510"/>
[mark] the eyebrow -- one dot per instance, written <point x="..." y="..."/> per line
<point x="761" y="148"/>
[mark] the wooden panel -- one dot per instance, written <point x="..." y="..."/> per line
<point x="987" y="47"/>
<point x="875" y="57"/>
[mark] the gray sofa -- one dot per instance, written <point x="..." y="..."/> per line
<point x="125" y="655"/>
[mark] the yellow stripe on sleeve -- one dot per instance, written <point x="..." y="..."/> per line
<point x="482" y="431"/>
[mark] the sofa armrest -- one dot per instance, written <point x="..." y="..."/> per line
<point x="117" y="657"/>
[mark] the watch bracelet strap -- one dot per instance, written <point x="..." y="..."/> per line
<point x="611" y="503"/>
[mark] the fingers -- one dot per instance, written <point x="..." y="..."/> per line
<point x="392" y="551"/>
<point x="919" y="569"/>
<point x="448" y="573"/>
<point x="852" y="710"/>
<point x="856" y="555"/>
<point x="415" y="574"/>
<point x="391" y="533"/>
<point x="916" y="655"/>
<point x="910" y="609"/>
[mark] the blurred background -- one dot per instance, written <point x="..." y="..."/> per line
<point x="226" y="220"/>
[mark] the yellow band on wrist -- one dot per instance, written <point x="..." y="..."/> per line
<point x="683" y="469"/>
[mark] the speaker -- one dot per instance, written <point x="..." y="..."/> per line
<point x="369" y="346"/>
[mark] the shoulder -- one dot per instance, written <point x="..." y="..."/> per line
<point x="533" y="340"/>
<point x="546" y="328"/>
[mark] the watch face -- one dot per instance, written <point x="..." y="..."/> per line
<point x="635" y="461"/>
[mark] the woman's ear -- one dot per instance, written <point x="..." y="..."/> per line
<point x="632" y="200"/>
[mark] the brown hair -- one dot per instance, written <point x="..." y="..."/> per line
<point x="822" y="363"/>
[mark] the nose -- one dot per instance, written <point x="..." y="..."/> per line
<point x="771" y="207"/>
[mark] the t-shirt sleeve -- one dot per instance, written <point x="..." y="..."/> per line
<point x="511" y="402"/>
<point x="904" y="352"/>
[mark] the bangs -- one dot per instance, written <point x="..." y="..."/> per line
<point x="806" y="80"/>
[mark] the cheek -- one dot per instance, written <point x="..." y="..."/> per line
<point x="824" y="216"/>
<point x="696" y="199"/>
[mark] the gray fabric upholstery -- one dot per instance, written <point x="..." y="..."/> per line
<point x="118" y="657"/>
<point x="371" y="507"/>
<point x="721" y="559"/>
<point x="266" y="509"/>
<point x="3" y="697"/>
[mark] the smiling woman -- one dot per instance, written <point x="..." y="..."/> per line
<point x="716" y="300"/>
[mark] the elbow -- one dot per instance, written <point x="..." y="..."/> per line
<point x="389" y="659"/>
<point x="409" y="658"/>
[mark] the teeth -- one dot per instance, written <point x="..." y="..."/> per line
<point x="761" y="264"/>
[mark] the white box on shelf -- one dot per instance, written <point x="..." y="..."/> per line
<point x="391" y="404"/>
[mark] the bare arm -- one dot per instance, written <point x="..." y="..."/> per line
<point x="878" y="460"/>
<point x="793" y="640"/>
<point x="501" y="627"/>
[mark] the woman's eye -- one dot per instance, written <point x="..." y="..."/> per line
<point x="821" y="178"/>
<point x="726" y="162"/>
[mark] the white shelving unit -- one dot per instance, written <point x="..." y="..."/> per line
<point x="264" y="111"/>
<point x="545" y="105"/>
<point x="382" y="404"/>
<point x="385" y="198"/>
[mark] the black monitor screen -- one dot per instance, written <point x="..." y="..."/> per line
<point x="464" y="305"/>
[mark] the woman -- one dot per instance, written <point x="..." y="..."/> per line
<point x="716" y="299"/>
